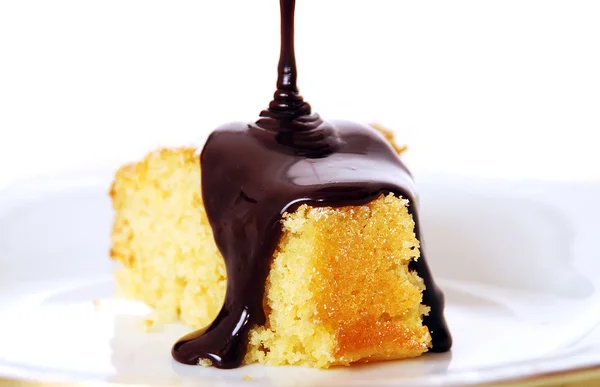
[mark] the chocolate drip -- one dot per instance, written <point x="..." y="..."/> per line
<point x="289" y="117"/>
<point x="287" y="102"/>
<point x="253" y="173"/>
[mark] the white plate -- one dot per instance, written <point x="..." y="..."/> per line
<point x="519" y="264"/>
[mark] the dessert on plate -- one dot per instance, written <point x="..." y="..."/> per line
<point x="288" y="240"/>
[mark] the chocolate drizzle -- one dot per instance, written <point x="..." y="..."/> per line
<point x="289" y="118"/>
<point x="287" y="102"/>
<point x="253" y="173"/>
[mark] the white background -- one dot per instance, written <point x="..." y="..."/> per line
<point x="505" y="89"/>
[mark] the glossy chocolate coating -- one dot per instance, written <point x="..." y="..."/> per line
<point x="253" y="173"/>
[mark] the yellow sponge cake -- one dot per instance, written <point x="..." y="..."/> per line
<point x="339" y="289"/>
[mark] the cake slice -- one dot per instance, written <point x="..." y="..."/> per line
<point x="339" y="289"/>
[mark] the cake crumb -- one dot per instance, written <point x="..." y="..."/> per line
<point x="205" y="363"/>
<point x="96" y="304"/>
<point x="389" y="135"/>
<point x="247" y="378"/>
<point x="148" y="324"/>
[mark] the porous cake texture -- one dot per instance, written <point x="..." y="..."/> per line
<point x="339" y="289"/>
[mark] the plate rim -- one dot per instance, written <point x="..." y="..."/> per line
<point x="583" y="375"/>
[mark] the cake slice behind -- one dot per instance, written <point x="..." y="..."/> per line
<point x="162" y="238"/>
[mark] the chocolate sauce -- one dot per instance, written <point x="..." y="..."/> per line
<point x="252" y="173"/>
